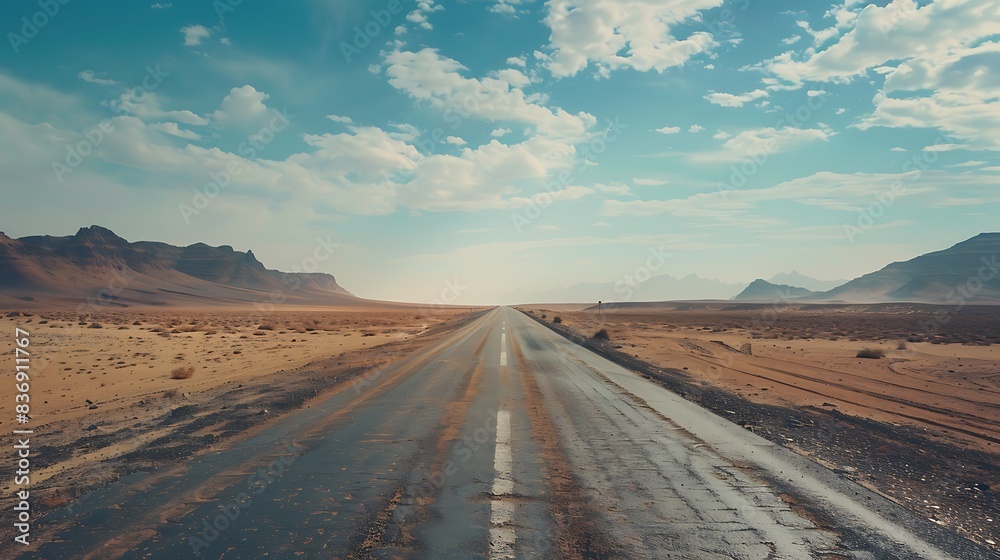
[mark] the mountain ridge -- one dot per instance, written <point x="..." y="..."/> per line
<point x="97" y="262"/>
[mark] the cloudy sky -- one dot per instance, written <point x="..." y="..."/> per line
<point x="508" y="144"/>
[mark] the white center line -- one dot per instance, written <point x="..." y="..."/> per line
<point x="502" y="534"/>
<point x="503" y="349"/>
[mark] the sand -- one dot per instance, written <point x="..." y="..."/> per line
<point x="952" y="390"/>
<point x="132" y="355"/>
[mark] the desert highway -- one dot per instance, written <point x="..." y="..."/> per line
<point x="502" y="440"/>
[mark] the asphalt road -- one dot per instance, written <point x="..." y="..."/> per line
<point x="502" y="441"/>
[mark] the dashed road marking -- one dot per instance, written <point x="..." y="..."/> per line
<point x="502" y="533"/>
<point x="503" y="349"/>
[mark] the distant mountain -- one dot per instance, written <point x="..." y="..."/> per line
<point x="793" y="278"/>
<point x="657" y="288"/>
<point x="967" y="272"/>
<point x="95" y="264"/>
<point x="762" y="290"/>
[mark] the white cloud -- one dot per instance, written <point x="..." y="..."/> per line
<point x="195" y="34"/>
<point x="669" y="130"/>
<point x="791" y="40"/>
<point x="898" y="149"/>
<point x="225" y="41"/>
<point x="506" y="7"/>
<point x="172" y="129"/>
<point x="500" y="132"/>
<point x="940" y="147"/>
<point x="620" y="189"/>
<point x="815" y="92"/>
<point x="430" y="77"/>
<point x="649" y="182"/>
<point x="765" y="141"/>
<point x="161" y="6"/>
<point x="731" y="100"/>
<point x="340" y="119"/>
<point x="842" y="192"/>
<point x="721" y="135"/>
<point x="455" y="141"/>
<point x="963" y="103"/>
<point x="521" y="61"/>
<point x="840" y="111"/>
<point x="601" y="224"/>
<point x="695" y="128"/>
<point x="243" y="107"/>
<point x="898" y="31"/>
<point x="971" y="163"/>
<point x="512" y="76"/>
<point x="149" y="107"/>
<point x="419" y="15"/>
<point x="615" y="34"/>
<point x="91" y="76"/>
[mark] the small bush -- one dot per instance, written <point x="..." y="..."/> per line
<point x="265" y="327"/>
<point x="871" y="353"/>
<point x="601" y="335"/>
<point x="95" y="326"/>
<point x="901" y="346"/>
<point x="182" y="373"/>
<point x="557" y="320"/>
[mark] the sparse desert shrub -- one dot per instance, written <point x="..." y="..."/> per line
<point x="259" y="333"/>
<point x="182" y="373"/>
<point x="266" y="327"/>
<point x="95" y="325"/>
<point x="557" y="320"/>
<point x="544" y="315"/>
<point x="601" y="335"/>
<point x="901" y="346"/>
<point x="871" y="353"/>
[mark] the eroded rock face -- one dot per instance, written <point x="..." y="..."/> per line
<point x="96" y="258"/>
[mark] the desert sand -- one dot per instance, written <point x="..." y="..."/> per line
<point x="952" y="390"/>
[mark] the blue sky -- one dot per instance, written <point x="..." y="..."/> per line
<point x="508" y="144"/>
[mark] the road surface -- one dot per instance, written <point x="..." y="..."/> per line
<point x="503" y="440"/>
